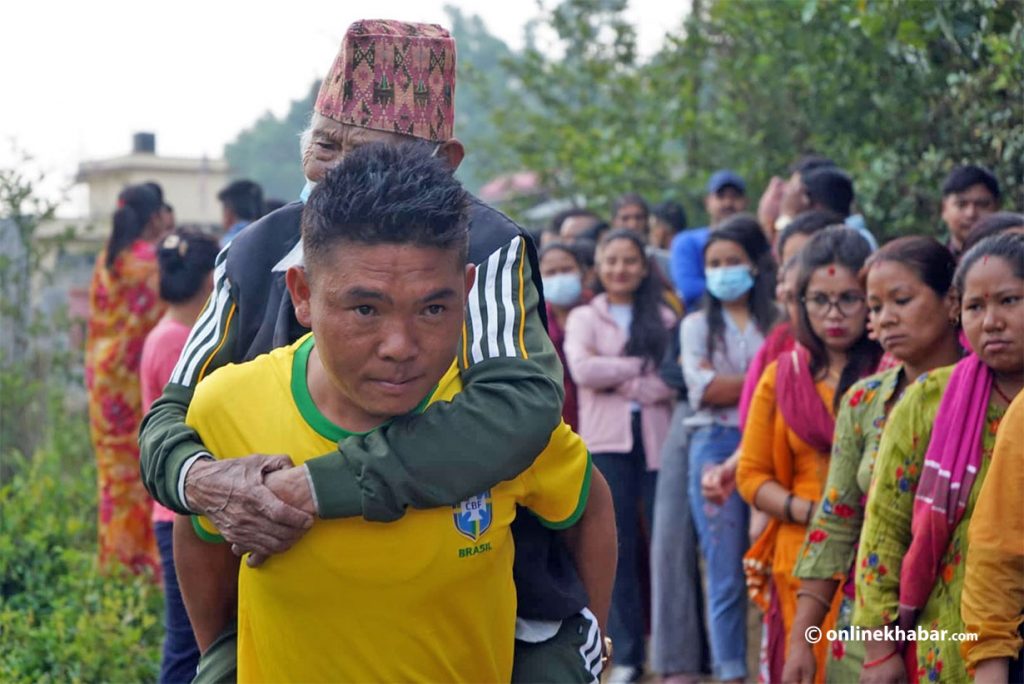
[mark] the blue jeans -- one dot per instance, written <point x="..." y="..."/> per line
<point x="631" y="485"/>
<point x="181" y="654"/>
<point x="722" y="531"/>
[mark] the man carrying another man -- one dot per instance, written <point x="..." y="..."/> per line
<point x="392" y="83"/>
<point x="429" y="597"/>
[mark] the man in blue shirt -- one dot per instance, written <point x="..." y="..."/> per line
<point x="726" y="195"/>
<point x="241" y="204"/>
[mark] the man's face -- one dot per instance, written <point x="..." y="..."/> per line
<point x="962" y="210"/>
<point x="724" y="203"/>
<point x="227" y="216"/>
<point x="387" y="321"/>
<point x="331" y="141"/>
<point x="631" y="216"/>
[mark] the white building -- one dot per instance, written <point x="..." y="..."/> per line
<point x="190" y="186"/>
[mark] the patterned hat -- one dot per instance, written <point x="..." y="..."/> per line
<point x="393" y="76"/>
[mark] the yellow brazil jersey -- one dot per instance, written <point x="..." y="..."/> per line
<point x="427" y="598"/>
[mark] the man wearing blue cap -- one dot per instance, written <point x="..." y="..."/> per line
<point x="726" y="195"/>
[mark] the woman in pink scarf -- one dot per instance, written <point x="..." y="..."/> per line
<point x="788" y="436"/>
<point x="932" y="460"/>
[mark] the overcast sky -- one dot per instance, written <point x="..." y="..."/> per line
<point x="81" y="77"/>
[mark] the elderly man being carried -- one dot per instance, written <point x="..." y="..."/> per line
<point x="427" y="598"/>
<point x="392" y="82"/>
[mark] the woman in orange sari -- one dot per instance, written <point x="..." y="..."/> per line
<point x="123" y="308"/>
<point x="788" y="435"/>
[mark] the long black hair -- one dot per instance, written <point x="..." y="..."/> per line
<point x="845" y="247"/>
<point x="135" y="207"/>
<point x="744" y="230"/>
<point x="648" y="336"/>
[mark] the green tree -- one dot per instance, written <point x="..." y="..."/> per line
<point x="480" y="89"/>
<point x="585" y="117"/>
<point x="32" y="360"/>
<point x="268" y="151"/>
<point x="897" y="92"/>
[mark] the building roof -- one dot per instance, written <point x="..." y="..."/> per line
<point x="149" y="163"/>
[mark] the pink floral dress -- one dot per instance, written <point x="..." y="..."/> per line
<point x="123" y="307"/>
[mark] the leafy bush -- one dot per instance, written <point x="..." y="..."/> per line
<point x="60" y="618"/>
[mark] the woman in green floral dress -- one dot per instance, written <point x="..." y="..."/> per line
<point x="932" y="460"/>
<point x="913" y="311"/>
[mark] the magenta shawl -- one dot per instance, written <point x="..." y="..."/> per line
<point x="950" y="467"/>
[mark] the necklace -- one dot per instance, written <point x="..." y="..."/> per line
<point x="1000" y="392"/>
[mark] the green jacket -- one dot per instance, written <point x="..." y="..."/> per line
<point x="491" y="432"/>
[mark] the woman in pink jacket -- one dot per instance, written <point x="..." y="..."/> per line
<point x="613" y="346"/>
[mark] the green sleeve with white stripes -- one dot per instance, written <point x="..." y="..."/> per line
<point x="490" y="432"/>
<point x="166" y="443"/>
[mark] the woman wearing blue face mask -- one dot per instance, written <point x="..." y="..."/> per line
<point x="718" y="343"/>
<point x="562" y="275"/>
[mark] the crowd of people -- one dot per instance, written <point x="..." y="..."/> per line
<point x="448" y="454"/>
<point x="799" y="339"/>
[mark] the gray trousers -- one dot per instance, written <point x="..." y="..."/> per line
<point x="679" y="642"/>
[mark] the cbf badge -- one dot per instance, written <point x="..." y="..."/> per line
<point x="473" y="516"/>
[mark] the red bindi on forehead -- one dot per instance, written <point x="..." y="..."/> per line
<point x="831" y="270"/>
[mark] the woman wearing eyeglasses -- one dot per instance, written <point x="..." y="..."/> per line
<point x="784" y="455"/>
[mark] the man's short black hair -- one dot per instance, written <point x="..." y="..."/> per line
<point x="245" y="198"/>
<point x="671" y="213"/>
<point x="387" y="194"/>
<point x="963" y="177"/>
<point x="829" y="187"/>
<point x="630" y="199"/>
<point x="561" y="217"/>
<point x="809" y="163"/>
